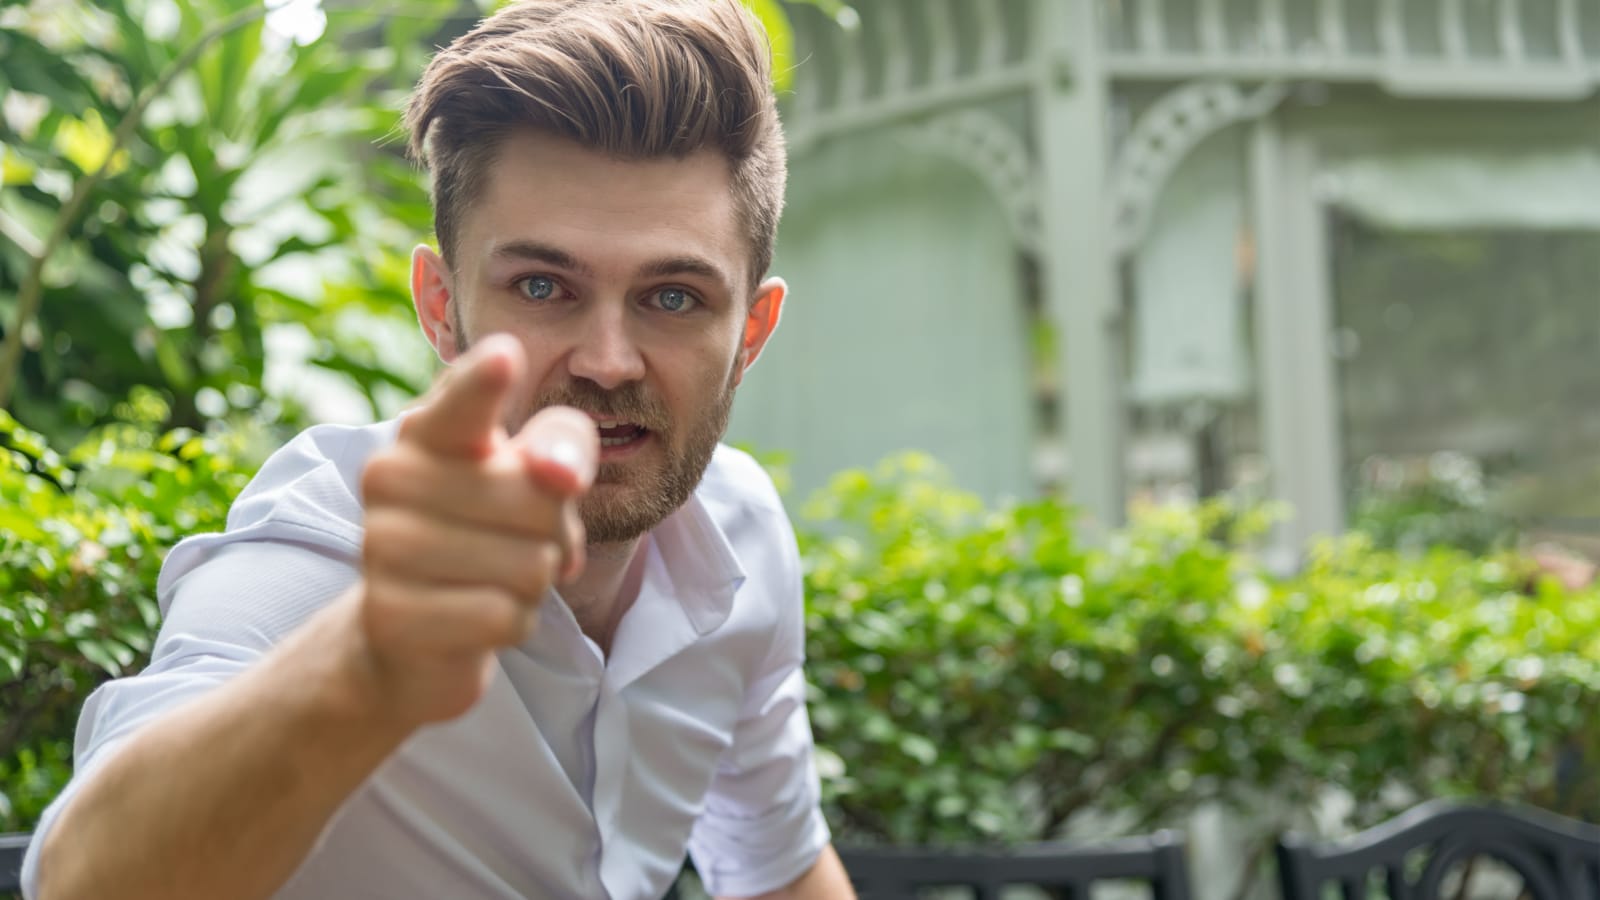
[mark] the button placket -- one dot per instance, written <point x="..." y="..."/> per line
<point x="611" y="752"/>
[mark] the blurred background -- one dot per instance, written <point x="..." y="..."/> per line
<point x="1186" y="405"/>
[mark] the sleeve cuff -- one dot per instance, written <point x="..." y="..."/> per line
<point x="775" y="871"/>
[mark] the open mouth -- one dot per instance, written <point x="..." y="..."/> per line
<point x="615" y="433"/>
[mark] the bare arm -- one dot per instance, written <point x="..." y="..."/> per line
<point x="825" y="880"/>
<point x="226" y="795"/>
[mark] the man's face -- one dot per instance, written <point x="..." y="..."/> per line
<point x="627" y="283"/>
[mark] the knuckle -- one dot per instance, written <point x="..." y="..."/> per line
<point x="383" y="479"/>
<point x="537" y="570"/>
<point x="550" y="555"/>
<point x="382" y="608"/>
<point x="411" y="425"/>
<point x="390" y="537"/>
<point x="538" y="518"/>
<point x="503" y="618"/>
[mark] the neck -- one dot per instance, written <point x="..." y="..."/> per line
<point x="602" y="594"/>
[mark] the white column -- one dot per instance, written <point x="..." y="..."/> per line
<point x="1071" y="106"/>
<point x="1294" y="323"/>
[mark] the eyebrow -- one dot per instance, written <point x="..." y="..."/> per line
<point x="535" y="251"/>
<point x="685" y="265"/>
<point x="551" y="255"/>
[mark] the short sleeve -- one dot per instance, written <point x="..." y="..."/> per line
<point x="762" y="825"/>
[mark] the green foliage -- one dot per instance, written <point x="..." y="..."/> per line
<point x="978" y="675"/>
<point x="1448" y="505"/>
<point x="221" y="216"/>
<point x="781" y="34"/>
<point x="1448" y="674"/>
<point x="259" y="200"/>
<point x="81" y="542"/>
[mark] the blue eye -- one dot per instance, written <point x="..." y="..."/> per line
<point x="675" y="299"/>
<point x="537" y="287"/>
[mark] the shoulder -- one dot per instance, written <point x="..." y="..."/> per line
<point x="739" y="496"/>
<point x="741" y="499"/>
<point x="737" y="491"/>
<point x="306" y="494"/>
<point x="314" y="480"/>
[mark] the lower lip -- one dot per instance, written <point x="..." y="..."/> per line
<point x="619" y="452"/>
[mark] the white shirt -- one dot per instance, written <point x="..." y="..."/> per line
<point x="575" y="777"/>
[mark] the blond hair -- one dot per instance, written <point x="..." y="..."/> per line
<point x="634" y="79"/>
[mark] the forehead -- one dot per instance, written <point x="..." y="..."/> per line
<point x="608" y="212"/>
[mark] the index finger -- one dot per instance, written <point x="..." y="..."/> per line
<point x="464" y="411"/>
<point x="560" y="452"/>
<point x="561" y="449"/>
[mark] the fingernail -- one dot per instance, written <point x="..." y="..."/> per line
<point x="565" y="452"/>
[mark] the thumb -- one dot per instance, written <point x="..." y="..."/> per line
<point x="561" y="449"/>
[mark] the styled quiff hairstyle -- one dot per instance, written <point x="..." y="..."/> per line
<point x="634" y="79"/>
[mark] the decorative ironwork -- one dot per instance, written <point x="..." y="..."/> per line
<point x="1528" y="49"/>
<point x="1556" y="857"/>
<point x="1164" y="136"/>
<point x="993" y="151"/>
<point x="899" y="60"/>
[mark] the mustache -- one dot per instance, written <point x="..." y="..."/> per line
<point x="629" y="403"/>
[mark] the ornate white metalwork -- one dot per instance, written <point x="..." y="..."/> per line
<point x="885" y="71"/>
<point x="989" y="148"/>
<point x="1164" y="136"/>
<point x="1499" y="49"/>
<point x="882" y="71"/>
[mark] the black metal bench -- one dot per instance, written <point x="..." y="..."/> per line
<point x="897" y="874"/>
<point x="891" y="873"/>
<point x="1557" y="858"/>
<point x="12" y="846"/>
<point x="1065" y="869"/>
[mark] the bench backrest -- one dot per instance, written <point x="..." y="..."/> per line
<point x="12" y="846"/>
<point x="901" y="874"/>
<point x="1411" y="855"/>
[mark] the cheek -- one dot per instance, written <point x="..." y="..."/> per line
<point x="707" y="365"/>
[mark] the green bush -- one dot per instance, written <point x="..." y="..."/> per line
<point x="979" y="676"/>
<point x="1447" y="504"/>
<point x="81" y="542"/>
<point x="1442" y="675"/>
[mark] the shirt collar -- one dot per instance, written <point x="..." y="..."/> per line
<point x="699" y="561"/>
<point x="690" y="578"/>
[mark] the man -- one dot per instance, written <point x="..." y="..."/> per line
<point x="542" y="635"/>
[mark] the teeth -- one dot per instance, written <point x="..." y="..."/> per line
<point x="615" y="442"/>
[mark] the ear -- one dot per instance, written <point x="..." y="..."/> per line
<point x="760" y="322"/>
<point x="431" y="295"/>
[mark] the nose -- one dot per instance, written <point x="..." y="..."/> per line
<point x="606" y="352"/>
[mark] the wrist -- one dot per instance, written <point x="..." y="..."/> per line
<point x="348" y="691"/>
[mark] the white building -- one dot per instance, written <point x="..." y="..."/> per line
<point x="1156" y="246"/>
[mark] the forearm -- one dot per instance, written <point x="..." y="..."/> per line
<point x="225" y="796"/>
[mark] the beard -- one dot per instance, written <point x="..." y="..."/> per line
<point x="630" y="498"/>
